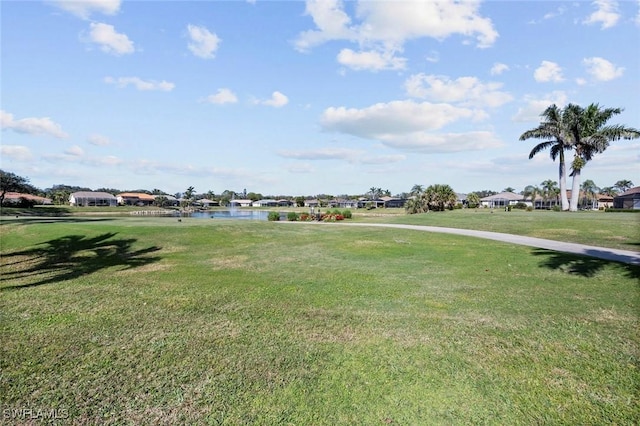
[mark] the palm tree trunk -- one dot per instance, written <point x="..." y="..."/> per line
<point x="563" y="182"/>
<point x="575" y="191"/>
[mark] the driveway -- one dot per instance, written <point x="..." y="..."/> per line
<point x="624" y="256"/>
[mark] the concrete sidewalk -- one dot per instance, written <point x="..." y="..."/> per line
<point x="624" y="256"/>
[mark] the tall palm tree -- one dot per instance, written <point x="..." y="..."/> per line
<point x="591" y="135"/>
<point x="417" y="189"/>
<point x="623" y="185"/>
<point x="557" y="139"/>
<point x="610" y="191"/>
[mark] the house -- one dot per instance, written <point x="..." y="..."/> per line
<point x="135" y="199"/>
<point x="629" y="199"/>
<point x="205" y="202"/>
<point x="502" y="199"/>
<point x="265" y="203"/>
<point x="91" y="198"/>
<point x="605" y="201"/>
<point x="311" y="203"/>
<point x="240" y="203"/>
<point x="17" y="198"/>
<point x="391" y="202"/>
<point x="285" y="203"/>
<point x="345" y="203"/>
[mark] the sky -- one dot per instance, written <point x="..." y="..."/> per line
<point x="302" y="98"/>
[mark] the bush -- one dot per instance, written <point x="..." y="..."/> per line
<point x="346" y="214"/>
<point x="521" y="206"/>
<point x="557" y="209"/>
<point x="292" y="216"/>
<point x="529" y="208"/>
<point x="273" y="216"/>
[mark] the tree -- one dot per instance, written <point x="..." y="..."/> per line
<point x="623" y="185"/>
<point x="188" y="196"/>
<point x="589" y="189"/>
<point x="11" y="182"/>
<point x="473" y="200"/>
<point x="554" y="130"/>
<point x="417" y="189"/>
<point x="531" y="191"/>
<point x="440" y="197"/>
<point x="509" y="189"/>
<point x="591" y="135"/>
<point x="610" y="191"/>
<point x="550" y="190"/>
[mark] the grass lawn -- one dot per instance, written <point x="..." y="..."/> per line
<point x="613" y="230"/>
<point x="155" y="321"/>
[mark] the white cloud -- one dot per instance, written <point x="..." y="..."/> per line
<point x="16" y="152"/>
<point x="277" y="100"/>
<point x="322" y="154"/>
<point x="32" y="126"/>
<point x="330" y="19"/>
<point x="534" y="106"/>
<point x="223" y="96"/>
<point x="606" y="14"/>
<point x="383" y="159"/>
<point x="601" y="69"/>
<point x="140" y="84"/>
<point x="75" y="151"/>
<point x="393" y="118"/>
<point x="370" y="60"/>
<point x="98" y="140"/>
<point x="424" y="142"/>
<point x="204" y="43"/>
<point x="84" y="8"/>
<point x="548" y="72"/>
<point x="386" y="26"/>
<point x="109" y="40"/>
<point x="465" y="90"/>
<point x="498" y="68"/>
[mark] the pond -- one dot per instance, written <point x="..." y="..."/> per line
<point x="229" y="214"/>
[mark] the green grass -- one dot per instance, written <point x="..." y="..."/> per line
<point x="613" y="230"/>
<point x="155" y="321"/>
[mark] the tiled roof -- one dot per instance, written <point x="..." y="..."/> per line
<point x="92" y="194"/>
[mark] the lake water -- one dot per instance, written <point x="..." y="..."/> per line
<point x="231" y="214"/>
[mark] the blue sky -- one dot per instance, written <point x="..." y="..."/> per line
<point x="302" y="98"/>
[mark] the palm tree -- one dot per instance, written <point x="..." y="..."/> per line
<point x="531" y="191"/>
<point x="589" y="189"/>
<point x="473" y="199"/>
<point x="623" y="185"/>
<point x="417" y="189"/>
<point x="549" y="190"/>
<point x="553" y="130"/>
<point x="509" y="189"/>
<point x="591" y="135"/>
<point x="440" y="197"/>
<point x="188" y="195"/>
<point x="610" y="191"/>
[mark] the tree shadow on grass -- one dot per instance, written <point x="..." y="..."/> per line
<point x="584" y="266"/>
<point x="70" y="257"/>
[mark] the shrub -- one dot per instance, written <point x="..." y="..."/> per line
<point x="273" y="216"/>
<point x="521" y="206"/>
<point x="529" y="208"/>
<point x="292" y="216"/>
<point x="346" y="214"/>
<point x="557" y="209"/>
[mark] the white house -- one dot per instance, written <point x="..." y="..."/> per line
<point x="502" y="199"/>
<point x="91" y="198"/>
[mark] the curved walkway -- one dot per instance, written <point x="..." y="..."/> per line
<point x="624" y="256"/>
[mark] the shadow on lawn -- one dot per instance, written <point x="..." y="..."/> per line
<point x="70" y="257"/>
<point x="584" y="266"/>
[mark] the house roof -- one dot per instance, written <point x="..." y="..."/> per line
<point x="503" y="196"/>
<point x="138" y="195"/>
<point x="18" y="195"/>
<point x="634" y="190"/>
<point x="92" y="194"/>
